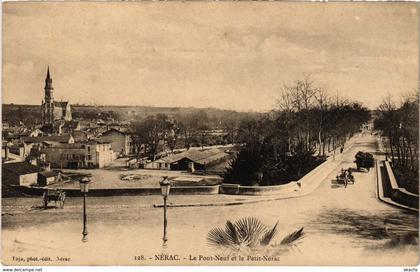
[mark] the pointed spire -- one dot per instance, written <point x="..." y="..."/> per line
<point x="48" y="72"/>
<point x="48" y="83"/>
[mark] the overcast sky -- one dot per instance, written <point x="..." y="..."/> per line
<point x="206" y="54"/>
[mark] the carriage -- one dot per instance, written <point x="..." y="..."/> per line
<point x="364" y="160"/>
<point x="56" y="195"/>
<point x="345" y="177"/>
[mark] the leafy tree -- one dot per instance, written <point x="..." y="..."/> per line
<point x="152" y="133"/>
<point x="300" y="161"/>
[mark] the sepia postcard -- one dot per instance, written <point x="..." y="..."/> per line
<point x="210" y="133"/>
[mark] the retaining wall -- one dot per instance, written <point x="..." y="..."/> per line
<point x="181" y="190"/>
<point x="315" y="176"/>
<point x="399" y="194"/>
<point x="236" y="189"/>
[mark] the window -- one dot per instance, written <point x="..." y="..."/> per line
<point x="89" y="157"/>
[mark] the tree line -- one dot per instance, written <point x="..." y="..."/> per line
<point x="164" y="133"/>
<point x="400" y="125"/>
<point x="281" y="145"/>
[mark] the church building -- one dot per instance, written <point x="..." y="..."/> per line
<point x="54" y="114"/>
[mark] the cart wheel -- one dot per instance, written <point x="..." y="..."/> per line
<point x="62" y="200"/>
<point x="44" y="200"/>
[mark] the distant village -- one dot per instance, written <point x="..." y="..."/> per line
<point x="37" y="155"/>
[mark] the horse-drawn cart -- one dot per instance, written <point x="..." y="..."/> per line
<point x="56" y="195"/>
<point x="345" y="177"/>
<point x="364" y="160"/>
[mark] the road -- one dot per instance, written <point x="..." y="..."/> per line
<point x="343" y="226"/>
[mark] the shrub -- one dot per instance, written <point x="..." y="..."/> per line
<point x="250" y="236"/>
<point x="252" y="167"/>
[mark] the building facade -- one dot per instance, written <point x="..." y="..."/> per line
<point x="120" y="141"/>
<point x="89" y="154"/>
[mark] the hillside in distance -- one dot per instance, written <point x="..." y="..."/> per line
<point x="30" y="115"/>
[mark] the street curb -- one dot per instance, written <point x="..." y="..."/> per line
<point x="233" y="203"/>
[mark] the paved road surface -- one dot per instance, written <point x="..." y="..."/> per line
<point x="343" y="226"/>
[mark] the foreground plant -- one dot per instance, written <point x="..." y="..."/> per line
<point x="250" y="236"/>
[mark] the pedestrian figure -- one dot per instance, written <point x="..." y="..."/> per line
<point x="343" y="177"/>
<point x="341" y="149"/>
<point x="350" y="176"/>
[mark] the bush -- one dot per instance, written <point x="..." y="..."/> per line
<point x="243" y="169"/>
<point x="251" y="168"/>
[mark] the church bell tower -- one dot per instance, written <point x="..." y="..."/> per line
<point x="48" y="103"/>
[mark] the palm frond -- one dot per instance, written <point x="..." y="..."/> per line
<point x="292" y="237"/>
<point x="250" y="229"/>
<point x="249" y="234"/>
<point x="218" y="237"/>
<point x="232" y="233"/>
<point x="269" y="235"/>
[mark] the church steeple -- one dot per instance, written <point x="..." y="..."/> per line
<point x="48" y="87"/>
<point x="48" y="72"/>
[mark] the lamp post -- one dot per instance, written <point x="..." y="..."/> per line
<point x="165" y="186"/>
<point x="84" y="188"/>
